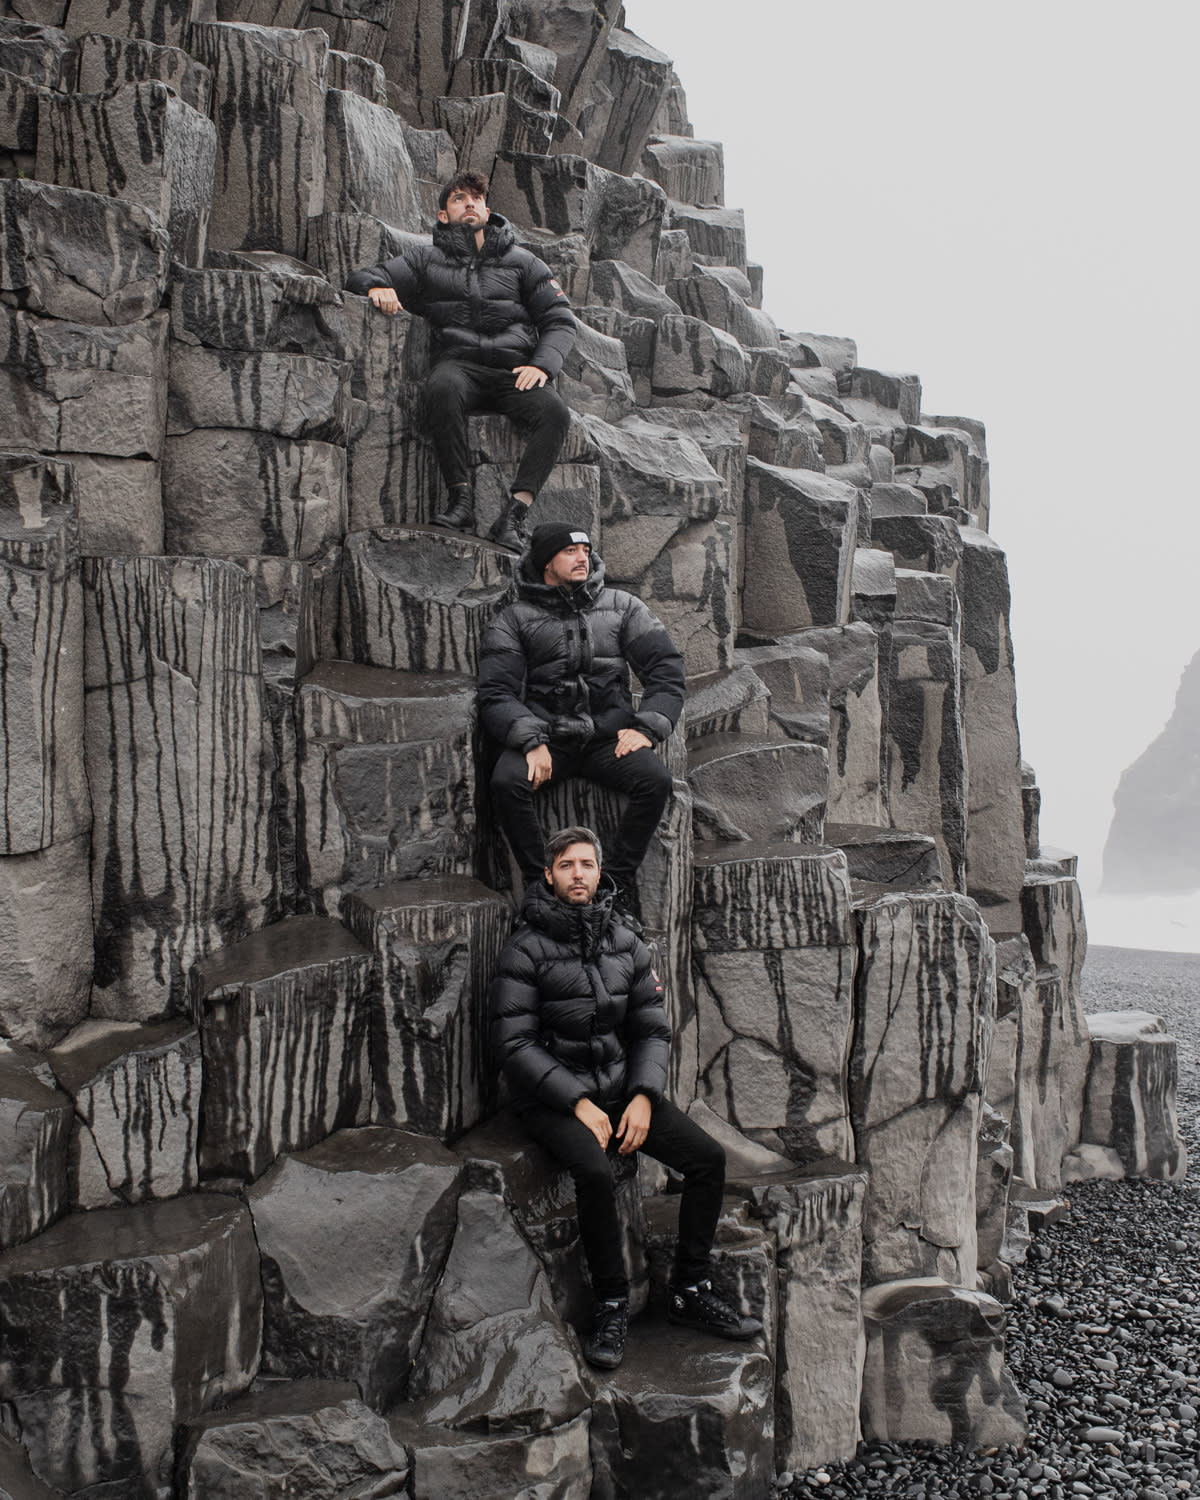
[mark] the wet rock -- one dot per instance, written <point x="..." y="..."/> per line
<point x="702" y="1407"/>
<point x="43" y="790"/>
<point x="269" y="106"/>
<point x="761" y="791"/>
<point x="179" y="767"/>
<point x="1129" y="1095"/>
<point x="17" y="1480"/>
<point x="291" y="395"/>
<point x="696" y="363"/>
<point x="773" y="950"/>
<point x="121" y="1323"/>
<point x="595" y="377"/>
<point x="419" y="600"/>
<point x="993" y="1178"/>
<point x="35" y="1132"/>
<point x="817" y="1222"/>
<point x="353" y="1236"/>
<point x="718" y="234"/>
<point x="80" y="256"/>
<point x="46" y="948"/>
<point x="935" y="1367"/>
<point x="496" y="1466"/>
<point x="137" y="1104"/>
<point x="617" y="285"/>
<point x="106" y="62"/>
<point x="163" y="21"/>
<point x="304" y="1439"/>
<point x="734" y="702"/>
<point x="883" y="857"/>
<point x="368" y="166"/>
<point x="386" y="778"/>
<point x="799" y="547"/>
<point x="625" y="98"/>
<point x="494" y="1356"/>
<point x="690" y="171"/>
<point x="925" y="997"/>
<point x="283" y="1018"/>
<point x="436" y="943"/>
<point x="159" y="153"/>
<point x="720" y="296"/>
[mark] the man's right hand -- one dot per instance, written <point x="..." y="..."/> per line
<point x="596" y="1120"/>
<point x="385" y="300"/>
<point x="540" y="765"/>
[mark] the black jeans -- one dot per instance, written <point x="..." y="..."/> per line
<point x="643" y="778"/>
<point x="674" y="1140"/>
<point x="456" y="388"/>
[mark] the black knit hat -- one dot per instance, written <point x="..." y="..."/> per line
<point x="548" y="540"/>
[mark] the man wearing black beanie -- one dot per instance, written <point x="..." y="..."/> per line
<point x="554" y="694"/>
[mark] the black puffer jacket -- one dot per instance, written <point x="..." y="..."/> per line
<point x="576" y="1010"/>
<point x="497" y="306"/>
<point x="554" y="666"/>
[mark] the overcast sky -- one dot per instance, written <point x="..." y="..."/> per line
<point x="1001" y="197"/>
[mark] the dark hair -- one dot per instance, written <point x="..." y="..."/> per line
<point x="559" y="842"/>
<point x="470" y="182"/>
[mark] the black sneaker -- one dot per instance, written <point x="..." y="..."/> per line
<point x="606" y="1347"/>
<point x="512" y="527"/>
<point x="700" y="1307"/>
<point x="459" y="514"/>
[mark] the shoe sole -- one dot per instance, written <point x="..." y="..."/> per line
<point x="721" y="1333"/>
<point x="604" y="1364"/>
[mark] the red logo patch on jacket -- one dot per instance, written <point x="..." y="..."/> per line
<point x="557" y="289"/>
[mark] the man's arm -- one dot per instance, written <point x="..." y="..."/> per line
<point x="550" y="313"/>
<point x="647" y="1030"/>
<point x="515" y="1026"/>
<point x="658" y="665"/>
<point x="395" y="284"/>
<point x="502" y="671"/>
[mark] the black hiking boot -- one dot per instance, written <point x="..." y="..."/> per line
<point x="606" y="1347"/>
<point x="459" y="514"/>
<point x="512" y="529"/>
<point x="700" y="1307"/>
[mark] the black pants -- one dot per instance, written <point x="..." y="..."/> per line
<point x="674" y="1140"/>
<point x="640" y="775"/>
<point x="456" y="388"/>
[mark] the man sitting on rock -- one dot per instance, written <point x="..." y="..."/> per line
<point x="502" y="329"/>
<point x="579" y="1028"/>
<point x="554" y="693"/>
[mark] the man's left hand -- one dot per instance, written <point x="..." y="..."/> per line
<point x="529" y="376"/>
<point x="634" y="1126"/>
<point x="629" y="740"/>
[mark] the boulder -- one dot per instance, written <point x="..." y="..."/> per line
<point x="883" y="857"/>
<point x="689" y="171"/>
<point x="760" y="791"/>
<point x="695" y="363"/>
<point x="436" y="943"/>
<point x="137" y="1107"/>
<point x="122" y="1323"/>
<point x="925" y="998"/>
<point x="35" y="1133"/>
<point x="496" y="1466"/>
<point x="935" y="1368"/>
<point x="178" y="758"/>
<point x="800" y="530"/>
<point x="47" y="947"/>
<point x="718" y="234"/>
<point x="283" y="1020"/>
<point x="625" y="98"/>
<point x="386" y="786"/>
<point x="353" y="1236"/>
<point x="368" y="168"/>
<point x="1129" y="1096"/>
<point x="290" y="395"/>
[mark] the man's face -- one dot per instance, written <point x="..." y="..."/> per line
<point x="571" y="565"/>
<point x="464" y="207"/>
<point x="575" y="874"/>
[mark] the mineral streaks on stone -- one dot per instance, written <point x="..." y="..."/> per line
<point x="43" y="791"/>
<point x="283" y="1018"/>
<point x="419" y="600"/>
<point x="1129" y="1095"/>
<point x="137" y="1102"/>
<point x="935" y="1367"/>
<point x="386" y="778"/>
<point x="353" y="1237"/>
<point x="760" y="791"/>
<point x="800" y="532"/>
<point x="35" y="1132"/>
<point x="925" y="997"/>
<point x="495" y="1356"/>
<point x="180" y="771"/>
<point x="121" y="1323"/>
<point x="46" y="947"/>
<point x="316" y="1437"/>
<point x="817" y="1222"/>
<point x="435" y="943"/>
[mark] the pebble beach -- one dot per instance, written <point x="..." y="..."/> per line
<point x="1104" y="1327"/>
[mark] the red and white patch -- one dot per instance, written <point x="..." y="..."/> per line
<point x="557" y="289"/>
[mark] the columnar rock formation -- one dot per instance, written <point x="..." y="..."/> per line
<point x="262" y="1211"/>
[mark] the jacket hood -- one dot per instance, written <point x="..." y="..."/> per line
<point x="555" y="596"/>
<point x="584" y="925"/>
<point x="458" y="240"/>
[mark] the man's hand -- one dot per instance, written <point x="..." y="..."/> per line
<point x="635" y="1123"/>
<point x="385" y="300"/>
<point x="629" y="740"/>
<point x="597" y="1121"/>
<point x="540" y="765"/>
<point x="529" y="376"/>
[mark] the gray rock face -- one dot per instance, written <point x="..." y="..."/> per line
<point x="46" y="949"/>
<point x="353" y="1236"/>
<point x="436" y="943"/>
<point x="1129" y="1095"/>
<point x="174" y="701"/>
<point x="497" y="1466"/>
<point x="368" y="166"/>
<point x="761" y="791"/>
<point x="35" y="1131"/>
<point x="283" y="1019"/>
<point x="106" y="62"/>
<point x="934" y="1369"/>
<point x="926" y="972"/>
<point x="307" y="1439"/>
<point x="123" y="1322"/>
<point x="800" y="539"/>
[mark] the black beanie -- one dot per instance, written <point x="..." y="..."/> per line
<point x="548" y="540"/>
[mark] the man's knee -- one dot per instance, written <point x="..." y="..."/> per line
<point x="510" y="777"/>
<point x="446" y="386"/>
<point x="647" y="774"/>
<point x="593" y="1175"/>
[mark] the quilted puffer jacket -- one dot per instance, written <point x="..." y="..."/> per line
<point x="576" y="1009"/>
<point x="554" y="665"/>
<point x="496" y="306"/>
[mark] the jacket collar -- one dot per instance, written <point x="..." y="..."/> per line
<point x="458" y="240"/>
<point x="555" y="597"/>
<point x="582" y="925"/>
